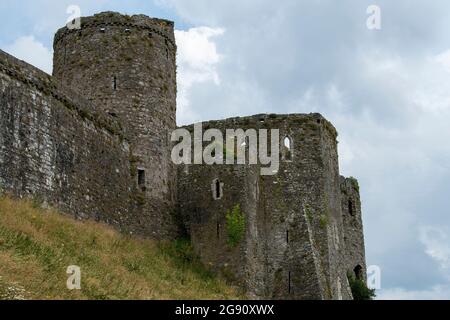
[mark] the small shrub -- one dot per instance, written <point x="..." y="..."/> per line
<point x="235" y="226"/>
<point x="359" y="288"/>
<point x="354" y="183"/>
<point x="323" y="221"/>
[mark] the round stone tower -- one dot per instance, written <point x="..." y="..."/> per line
<point x="126" y="66"/>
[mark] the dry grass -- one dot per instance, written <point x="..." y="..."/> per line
<point x="37" y="245"/>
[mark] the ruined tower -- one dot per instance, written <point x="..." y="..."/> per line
<point x="294" y="244"/>
<point x="125" y="65"/>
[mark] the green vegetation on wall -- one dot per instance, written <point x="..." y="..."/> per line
<point x="235" y="225"/>
<point x="359" y="288"/>
<point x="354" y="183"/>
<point x="323" y="221"/>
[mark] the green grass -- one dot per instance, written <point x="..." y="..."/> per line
<point x="37" y="245"/>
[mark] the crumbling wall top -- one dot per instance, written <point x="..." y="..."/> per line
<point x="269" y="120"/>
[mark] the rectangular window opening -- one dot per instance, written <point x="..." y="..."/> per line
<point x="141" y="179"/>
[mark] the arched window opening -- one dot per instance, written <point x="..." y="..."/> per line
<point x="358" y="272"/>
<point x="244" y="142"/>
<point x="287" y="149"/>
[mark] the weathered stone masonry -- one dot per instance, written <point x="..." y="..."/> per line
<point x="124" y="68"/>
<point x="295" y="241"/>
<point x="53" y="146"/>
<point x="94" y="140"/>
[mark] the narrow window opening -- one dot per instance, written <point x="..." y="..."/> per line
<point x="115" y="83"/>
<point x="287" y="236"/>
<point x="350" y="207"/>
<point x="287" y="149"/>
<point x="217" y="189"/>
<point x="218" y="195"/>
<point x="141" y="179"/>
<point x="218" y="230"/>
<point x="289" y="282"/>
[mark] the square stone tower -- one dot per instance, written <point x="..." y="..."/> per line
<point x="294" y="243"/>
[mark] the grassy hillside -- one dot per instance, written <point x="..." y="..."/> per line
<point x="37" y="245"/>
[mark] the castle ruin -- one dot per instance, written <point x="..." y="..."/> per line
<point x="94" y="140"/>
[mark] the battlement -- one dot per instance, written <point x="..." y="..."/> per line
<point x="100" y="22"/>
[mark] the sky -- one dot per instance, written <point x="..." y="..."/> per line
<point x="387" y="91"/>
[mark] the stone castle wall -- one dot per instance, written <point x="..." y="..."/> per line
<point x="126" y="66"/>
<point x="294" y="241"/>
<point x="354" y="258"/>
<point x="101" y="150"/>
<point x="56" y="148"/>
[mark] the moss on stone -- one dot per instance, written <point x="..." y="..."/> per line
<point x="354" y="183"/>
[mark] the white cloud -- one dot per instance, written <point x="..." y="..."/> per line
<point x="197" y="61"/>
<point x="27" y="48"/>
<point x="435" y="293"/>
<point x="437" y="245"/>
<point x="444" y="59"/>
